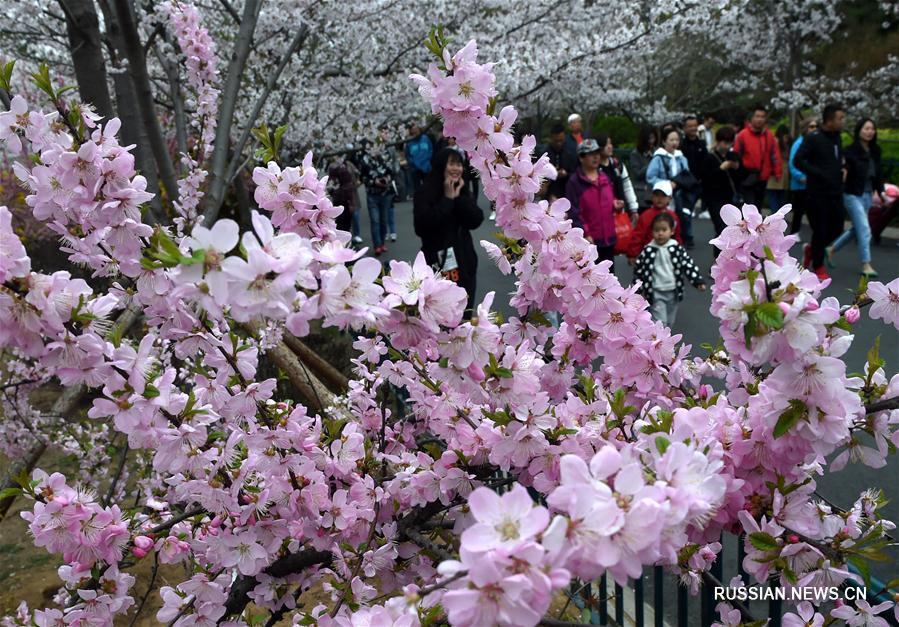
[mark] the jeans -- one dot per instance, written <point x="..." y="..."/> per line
<point x="777" y="198"/>
<point x="664" y="306"/>
<point x="857" y="207"/>
<point x="378" y="211"/>
<point x="356" y="228"/>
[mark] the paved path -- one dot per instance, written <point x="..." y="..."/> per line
<point x="698" y="326"/>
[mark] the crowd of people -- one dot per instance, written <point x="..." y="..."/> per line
<point x="696" y="167"/>
<point x="643" y="209"/>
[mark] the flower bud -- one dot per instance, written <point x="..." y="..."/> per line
<point x="476" y="372"/>
<point x="784" y="307"/>
<point x="142" y="546"/>
<point x="792" y="538"/>
<point x="852" y="315"/>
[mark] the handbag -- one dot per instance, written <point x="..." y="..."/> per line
<point x="685" y="179"/>
<point x="624" y="230"/>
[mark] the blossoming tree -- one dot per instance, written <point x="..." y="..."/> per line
<point x="529" y="455"/>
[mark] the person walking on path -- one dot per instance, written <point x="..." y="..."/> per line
<point x="759" y="157"/>
<point x="418" y="151"/>
<point x="378" y="179"/>
<point x="625" y="198"/>
<point x="661" y="268"/>
<point x="669" y="164"/>
<point x="707" y="131"/>
<point x="342" y="190"/>
<point x="592" y="199"/>
<point x="576" y="133"/>
<point x="444" y="214"/>
<point x="638" y="162"/>
<point x="695" y="150"/>
<point x="821" y="158"/>
<point x="864" y="178"/>
<point x="642" y="235"/>
<point x="778" y="186"/>
<point x="797" y="177"/>
<point x="720" y="177"/>
<point x="564" y="160"/>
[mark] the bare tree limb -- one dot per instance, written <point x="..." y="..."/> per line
<point x="137" y="69"/>
<point x="295" y="45"/>
<point x="230" y="91"/>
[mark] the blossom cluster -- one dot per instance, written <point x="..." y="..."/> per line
<point x="621" y="450"/>
<point x="202" y="77"/>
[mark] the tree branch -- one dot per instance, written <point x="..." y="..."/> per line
<point x="137" y="70"/>
<point x="295" y="44"/>
<point x="884" y="404"/>
<point x="230" y="92"/>
<point x="238" y="598"/>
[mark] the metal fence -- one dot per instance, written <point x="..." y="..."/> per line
<point x="658" y="598"/>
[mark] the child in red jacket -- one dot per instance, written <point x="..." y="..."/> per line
<point x="642" y="235"/>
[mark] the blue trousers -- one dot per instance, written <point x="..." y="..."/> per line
<point x="857" y="207"/>
<point x="379" y="206"/>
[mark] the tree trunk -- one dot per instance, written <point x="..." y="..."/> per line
<point x="83" y="29"/>
<point x="218" y="180"/>
<point x="143" y="91"/>
<point x="133" y="131"/>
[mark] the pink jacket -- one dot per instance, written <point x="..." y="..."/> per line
<point x="593" y="206"/>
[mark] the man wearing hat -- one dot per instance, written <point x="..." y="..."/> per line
<point x="642" y="235"/>
<point x="576" y="133"/>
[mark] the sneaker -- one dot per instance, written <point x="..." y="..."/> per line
<point x="807" y="256"/>
<point x="357" y="239"/>
<point x="821" y="273"/>
<point x="393" y="237"/>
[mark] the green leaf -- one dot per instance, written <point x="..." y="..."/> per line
<point x="763" y="541"/>
<point x="9" y="493"/>
<point x="769" y="255"/>
<point x="6" y="75"/>
<point x="503" y="373"/>
<point x="788" y="419"/>
<point x="863" y="568"/>
<point x="770" y="315"/>
<point x="662" y="443"/>
<point x="151" y="391"/>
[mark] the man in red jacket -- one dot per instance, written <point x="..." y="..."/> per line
<point x="759" y="156"/>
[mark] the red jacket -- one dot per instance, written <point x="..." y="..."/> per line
<point x="759" y="151"/>
<point x="642" y="234"/>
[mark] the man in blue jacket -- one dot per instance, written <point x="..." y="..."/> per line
<point x="418" y="152"/>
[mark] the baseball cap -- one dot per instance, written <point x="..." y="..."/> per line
<point x="587" y="146"/>
<point x="664" y="187"/>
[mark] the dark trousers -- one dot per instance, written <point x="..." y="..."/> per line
<point x="685" y="200"/>
<point x="755" y="194"/>
<point x="798" y="200"/>
<point x="345" y="219"/>
<point x="418" y="177"/>
<point x="826" y="215"/>
<point x="606" y="253"/>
